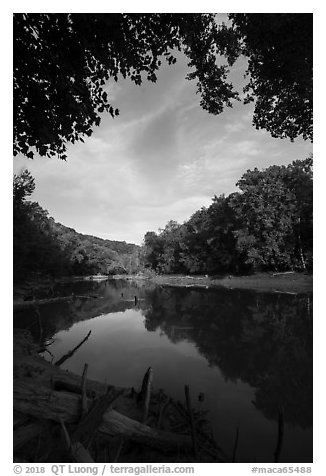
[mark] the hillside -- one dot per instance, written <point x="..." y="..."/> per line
<point x="43" y="246"/>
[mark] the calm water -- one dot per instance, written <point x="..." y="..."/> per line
<point x="249" y="353"/>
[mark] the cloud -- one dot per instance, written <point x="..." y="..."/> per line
<point x="163" y="158"/>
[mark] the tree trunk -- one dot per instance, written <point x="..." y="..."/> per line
<point x="303" y="261"/>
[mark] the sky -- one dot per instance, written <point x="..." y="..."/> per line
<point x="161" y="159"/>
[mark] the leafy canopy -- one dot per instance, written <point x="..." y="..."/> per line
<point x="62" y="63"/>
<point x="279" y="48"/>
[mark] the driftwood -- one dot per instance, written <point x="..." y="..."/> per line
<point x="163" y="406"/>
<point x="191" y="418"/>
<point x="25" y="433"/>
<point x="72" y="383"/>
<point x="52" y="393"/>
<point x="89" y="424"/>
<point x="19" y="419"/>
<point x="62" y="382"/>
<point x="39" y="302"/>
<point x="85" y="296"/>
<point x="284" y="292"/>
<point x="119" y="449"/>
<point x="77" y="451"/>
<point x="142" y="393"/>
<point x="145" y="393"/>
<point x="218" y="453"/>
<point x="284" y="272"/>
<point x="84" y="407"/>
<point x="44" y="346"/>
<point x="71" y="352"/>
<point x="41" y="350"/>
<point x="40" y="402"/>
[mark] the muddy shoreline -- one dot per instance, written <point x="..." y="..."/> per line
<point x="291" y="283"/>
<point x="261" y="282"/>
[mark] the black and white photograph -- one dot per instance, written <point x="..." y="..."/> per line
<point x="162" y="240"/>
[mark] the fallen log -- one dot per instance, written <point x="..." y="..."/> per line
<point x="67" y="384"/>
<point x="72" y="383"/>
<point x="284" y="292"/>
<point x="71" y="352"/>
<point x="41" y="402"/>
<point x="283" y="272"/>
<point x="19" y="419"/>
<point x="39" y="302"/>
<point x="89" y="424"/>
<point x="25" y="433"/>
<point x="85" y="296"/>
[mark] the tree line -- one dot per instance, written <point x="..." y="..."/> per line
<point x="45" y="247"/>
<point x="267" y="225"/>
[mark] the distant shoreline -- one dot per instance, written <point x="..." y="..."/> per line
<point x="290" y="282"/>
<point x="264" y="282"/>
<point x="293" y="283"/>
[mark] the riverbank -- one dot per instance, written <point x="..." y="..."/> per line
<point x="100" y="423"/>
<point x="261" y="282"/>
<point x="292" y="283"/>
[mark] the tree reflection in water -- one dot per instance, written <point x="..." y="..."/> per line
<point x="263" y="339"/>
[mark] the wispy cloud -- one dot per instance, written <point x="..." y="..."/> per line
<point x="162" y="158"/>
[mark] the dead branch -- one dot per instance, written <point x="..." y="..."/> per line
<point x="191" y="418"/>
<point x="71" y="352"/>
<point x="84" y="408"/>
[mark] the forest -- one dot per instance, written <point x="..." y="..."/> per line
<point x="266" y="226"/>
<point x="47" y="248"/>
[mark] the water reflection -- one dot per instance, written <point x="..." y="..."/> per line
<point x="86" y="300"/>
<point x="242" y="347"/>
<point x="262" y="339"/>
